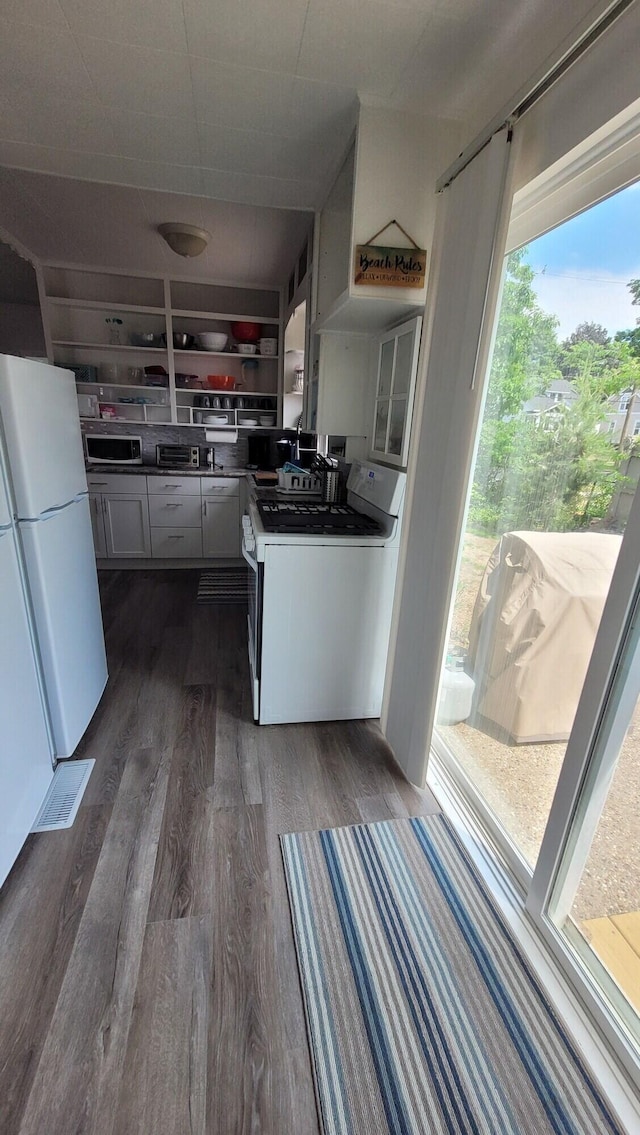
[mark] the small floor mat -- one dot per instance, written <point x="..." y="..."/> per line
<point x="224" y="585"/>
<point x="60" y="805"/>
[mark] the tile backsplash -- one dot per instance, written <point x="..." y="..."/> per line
<point x="227" y="456"/>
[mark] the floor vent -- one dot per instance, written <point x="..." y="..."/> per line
<point x="64" y="797"/>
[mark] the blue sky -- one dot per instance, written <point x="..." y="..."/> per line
<point x="582" y="267"/>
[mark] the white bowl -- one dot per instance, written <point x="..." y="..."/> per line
<point x="268" y="346"/>
<point x="247" y="348"/>
<point x="215" y="419"/>
<point x="212" y="340"/>
<point x="267" y="419"/>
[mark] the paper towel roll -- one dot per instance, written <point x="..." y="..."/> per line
<point x="221" y="437"/>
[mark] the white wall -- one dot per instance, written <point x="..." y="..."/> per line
<point x="399" y="158"/>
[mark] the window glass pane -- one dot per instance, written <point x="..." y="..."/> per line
<point x="380" y="435"/>
<point x="386" y="368"/>
<point x="606" y="906"/>
<point x="396" y="430"/>
<point x="551" y="492"/>
<point x="404" y="352"/>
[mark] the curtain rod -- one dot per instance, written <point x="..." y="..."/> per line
<point x="507" y="117"/>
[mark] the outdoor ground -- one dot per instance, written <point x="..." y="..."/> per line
<point x="519" y="781"/>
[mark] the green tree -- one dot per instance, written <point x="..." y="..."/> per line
<point x="631" y="338"/>
<point x="606" y="369"/>
<point x="565" y="468"/>
<point x="555" y="469"/>
<point x="526" y="352"/>
<point x="634" y="288"/>
<point x="589" y="332"/>
<point x="525" y="361"/>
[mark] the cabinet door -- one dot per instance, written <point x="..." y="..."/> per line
<point x="395" y="385"/>
<point x="343" y="388"/>
<point x="221" y="527"/>
<point x="126" y="522"/>
<point x="97" y="524"/>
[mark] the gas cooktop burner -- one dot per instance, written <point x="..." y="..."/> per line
<point x="316" y="519"/>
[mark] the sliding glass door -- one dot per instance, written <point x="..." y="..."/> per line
<point x="587" y="889"/>
<point x="538" y="716"/>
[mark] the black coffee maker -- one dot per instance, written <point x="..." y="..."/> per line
<point x="261" y="452"/>
<point x="286" y="450"/>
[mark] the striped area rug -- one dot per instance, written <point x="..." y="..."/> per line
<point x="224" y="585"/>
<point x="423" y="1016"/>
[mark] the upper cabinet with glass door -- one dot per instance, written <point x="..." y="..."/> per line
<point x="395" y="386"/>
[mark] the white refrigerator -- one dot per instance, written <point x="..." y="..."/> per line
<point x="26" y="758"/>
<point x="52" y="566"/>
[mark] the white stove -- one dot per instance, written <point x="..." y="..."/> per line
<point x="323" y="579"/>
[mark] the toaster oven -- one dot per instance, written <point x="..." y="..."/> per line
<point x="178" y="456"/>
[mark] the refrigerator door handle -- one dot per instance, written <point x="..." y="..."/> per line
<point x="56" y="508"/>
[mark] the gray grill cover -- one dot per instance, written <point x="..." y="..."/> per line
<point x="533" y="627"/>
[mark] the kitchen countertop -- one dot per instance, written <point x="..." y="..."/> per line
<point x="164" y="471"/>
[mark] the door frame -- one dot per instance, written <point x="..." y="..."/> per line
<point x="590" y="757"/>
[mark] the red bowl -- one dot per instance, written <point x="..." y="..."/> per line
<point x="246" y="332"/>
<point x="221" y="381"/>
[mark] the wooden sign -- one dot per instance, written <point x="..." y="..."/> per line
<point x="380" y="267"/>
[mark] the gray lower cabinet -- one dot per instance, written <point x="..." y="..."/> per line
<point x="175" y="515"/>
<point x="121" y="525"/>
<point x="220" y="517"/>
<point x="164" y="518"/>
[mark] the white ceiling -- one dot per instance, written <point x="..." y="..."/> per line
<point x="65" y="220"/>
<point x="244" y="101"/>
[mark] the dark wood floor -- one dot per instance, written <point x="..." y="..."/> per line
<point x="148" y="980"/>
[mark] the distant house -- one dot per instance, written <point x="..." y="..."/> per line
<point x="559" y="393"/>
<point x="620" y="423"/>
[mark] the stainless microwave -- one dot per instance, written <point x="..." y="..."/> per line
<point x="113" y="449"/>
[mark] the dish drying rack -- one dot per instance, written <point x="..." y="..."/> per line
<point x="293" y="480"/>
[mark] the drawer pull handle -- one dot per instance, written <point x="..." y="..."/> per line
<point x="101" y="484"/>
<point x="175" y="504"/>
<point x="176" y="537"/>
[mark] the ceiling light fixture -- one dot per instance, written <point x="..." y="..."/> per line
<point x="186" y="240"/>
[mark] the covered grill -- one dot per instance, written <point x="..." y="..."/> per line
<point x="533" y="627"/>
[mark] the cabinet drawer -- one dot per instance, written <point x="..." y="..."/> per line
<point x="116" y="483"/>
<point x="173" y="486"/>
<point x="214" y="487"/>
<point x="176" y="543"/>
<point x="177" y="511"/>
